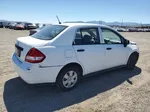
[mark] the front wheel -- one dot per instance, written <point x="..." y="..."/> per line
<point x="132" y="61"/>
<point x="68" y="78"/>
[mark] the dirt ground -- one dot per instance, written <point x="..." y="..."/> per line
<point x="116" y="91"/>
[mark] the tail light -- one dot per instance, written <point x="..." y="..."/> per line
<point x="34" y="56"/>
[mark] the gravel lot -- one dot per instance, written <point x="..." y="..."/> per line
<point x="116" y="91"/>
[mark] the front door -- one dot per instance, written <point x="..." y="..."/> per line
<point x="116" y="54"/>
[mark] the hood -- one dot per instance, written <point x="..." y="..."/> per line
<point x="133" y="43"/>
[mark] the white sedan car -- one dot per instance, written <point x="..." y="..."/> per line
<point x="64" y="53"/>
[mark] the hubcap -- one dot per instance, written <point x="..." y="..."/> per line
<point x="70" y="79"/>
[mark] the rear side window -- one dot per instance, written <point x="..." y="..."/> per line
<point x="49" y="32"/>
<point x="87" y="36"/>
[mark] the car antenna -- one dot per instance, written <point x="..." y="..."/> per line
<point x="58" y="19"/>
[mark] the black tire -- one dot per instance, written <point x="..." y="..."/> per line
<point x="60" y="78"/>
<point x="132" y="61"/>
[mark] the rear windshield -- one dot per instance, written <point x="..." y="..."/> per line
<point x="49" y="32"/>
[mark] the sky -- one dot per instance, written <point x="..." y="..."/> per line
<point x="45" y="11"/>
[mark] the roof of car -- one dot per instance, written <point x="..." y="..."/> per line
<point x="83" y="24"/>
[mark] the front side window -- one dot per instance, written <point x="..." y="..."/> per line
<point x="87" y="36"/>
<point x="110" y="37"/>
<point x="49" y="32"/>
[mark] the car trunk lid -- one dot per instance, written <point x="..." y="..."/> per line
<point x="24" y="44"/>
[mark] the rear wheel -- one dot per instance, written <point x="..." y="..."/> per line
<point x="132" y="61"/>
<point x="68" y="78"/>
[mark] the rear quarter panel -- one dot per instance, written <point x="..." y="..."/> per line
<point x="57" y="55"/>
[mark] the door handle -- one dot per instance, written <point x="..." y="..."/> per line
<point x="108" y="48"/>
<point x="80" y="50"/>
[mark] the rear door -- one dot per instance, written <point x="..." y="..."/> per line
<point x="116" y="53"/>
<point x="90" y="53"/>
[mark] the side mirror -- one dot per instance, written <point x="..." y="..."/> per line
<point x="125" y="42"/>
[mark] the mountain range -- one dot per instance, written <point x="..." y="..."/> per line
<point x="116" y="23"/>
<point x="111" y="23"/>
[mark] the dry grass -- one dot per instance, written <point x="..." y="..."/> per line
<point x="116" y="91"/>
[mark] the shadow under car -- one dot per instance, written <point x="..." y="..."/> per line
<point x="20" y="96"/>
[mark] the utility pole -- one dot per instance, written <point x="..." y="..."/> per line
<point x="100" y="22"/>
<point x="122" y="23"/>
<point x="141" y="25"/>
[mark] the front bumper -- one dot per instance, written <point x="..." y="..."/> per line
<point x="33" y="74"/>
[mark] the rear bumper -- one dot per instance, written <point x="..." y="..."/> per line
<point x="33" y="74"/>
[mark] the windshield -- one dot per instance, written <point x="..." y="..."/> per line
<point x="49" y="32"/>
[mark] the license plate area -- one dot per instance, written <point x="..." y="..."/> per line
<point x="18" y="50"/>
